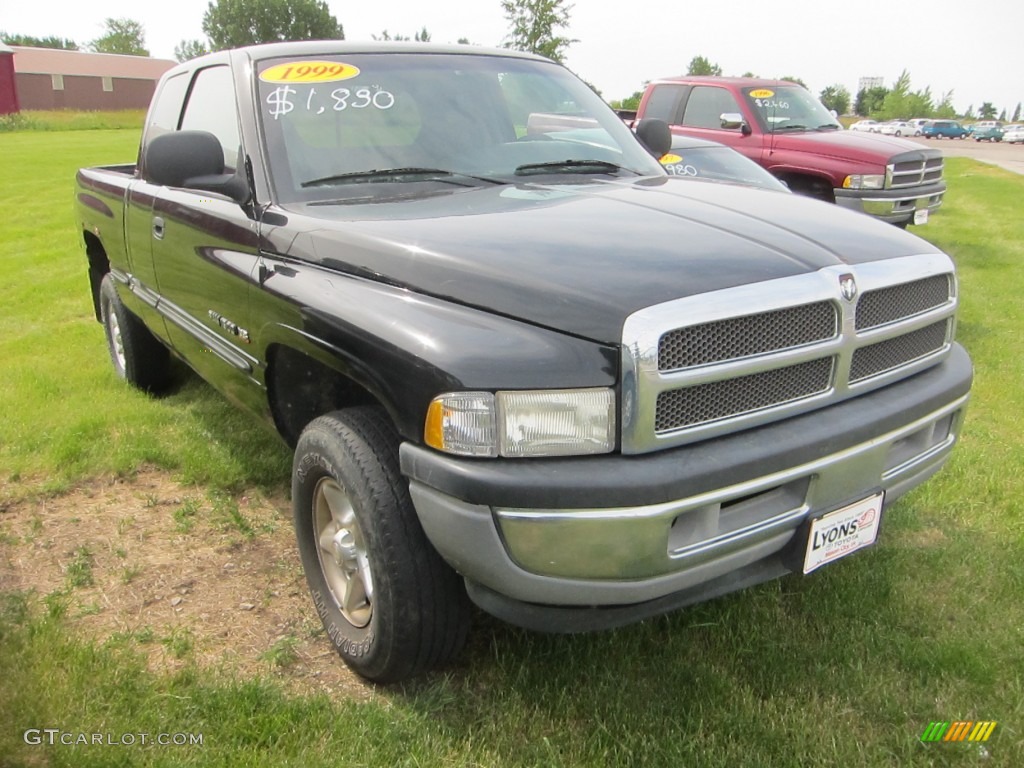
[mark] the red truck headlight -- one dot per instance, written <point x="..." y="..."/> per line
<point x="865" y="181"/>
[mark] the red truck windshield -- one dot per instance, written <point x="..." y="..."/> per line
<point x="789" y="108"/>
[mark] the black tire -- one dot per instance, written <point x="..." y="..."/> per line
<point x="138" y="357"/>
<point x="390" y="604"/>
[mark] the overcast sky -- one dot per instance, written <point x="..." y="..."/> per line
<point x="969" y="48"/>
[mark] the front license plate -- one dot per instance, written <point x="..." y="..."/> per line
<point x="921" y="216"/>
<point x="839" y="533"/>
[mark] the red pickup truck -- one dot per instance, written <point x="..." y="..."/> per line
<point x="785" y="129"/>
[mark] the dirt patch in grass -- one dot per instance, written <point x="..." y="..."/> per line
<point x="184" y="575"/>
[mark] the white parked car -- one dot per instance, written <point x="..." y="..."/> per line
<point x="1013" y="134"/>
<point x="896" y="128"/>
<point x="871" y="126"/>
<point x="919" y="123"/>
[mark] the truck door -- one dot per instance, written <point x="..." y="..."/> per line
<point x="205" y="250"/>
<point x="702" y="117"/>
<point x="163" y="117"/>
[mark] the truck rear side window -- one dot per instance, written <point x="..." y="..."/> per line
<point x="663" y="103"/>
<point x="166" y="111"/>
<point x="706" y="105"/>
<point x="211" y="107"/>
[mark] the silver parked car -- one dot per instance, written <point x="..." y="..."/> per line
<point x="897" y="128"/>
<point x="1014" y="134"/>
<point x="869" y="126"/>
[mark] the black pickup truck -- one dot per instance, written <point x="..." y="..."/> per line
<point x="521" y="366"/>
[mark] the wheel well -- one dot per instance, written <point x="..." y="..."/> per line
<point x="301" y="388"/>
<point x="810" y="186"/>
<point x="99" y="266"/>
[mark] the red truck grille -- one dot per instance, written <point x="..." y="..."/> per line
<point x="913" y="173"/>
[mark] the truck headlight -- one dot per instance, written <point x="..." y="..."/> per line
<point x="544" y="422"/>
<point x="865" y="181"/>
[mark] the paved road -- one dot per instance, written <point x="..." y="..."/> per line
<point x="1008" y="156"/>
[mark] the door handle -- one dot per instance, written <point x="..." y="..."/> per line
<point x="158" y="228"/>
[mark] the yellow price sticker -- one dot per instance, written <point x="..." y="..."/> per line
<point x="670" y="159"/>
<point x="309" y="72"/>
<point x="762" y="93"/>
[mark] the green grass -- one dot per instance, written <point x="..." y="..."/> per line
<point x="843" y="668"/>
<point x="63" y="416"/>
<point x="72" y="120"/>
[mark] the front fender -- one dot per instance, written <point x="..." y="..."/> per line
<point x="406" y="348"/>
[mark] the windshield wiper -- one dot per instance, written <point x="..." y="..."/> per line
<point x="828" y="127"/>
<point x="396" y="174"/>
<point x="571" y="166"/>
<point x="790" y="127"/>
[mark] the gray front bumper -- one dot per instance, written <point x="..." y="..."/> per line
<point x="892" y="205"/>
<point x="639" y="532"/>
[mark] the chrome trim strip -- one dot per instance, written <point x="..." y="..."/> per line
<point x="223" y="349"/>
<point x="217" y="345"/>
<point x="734" y="540"/>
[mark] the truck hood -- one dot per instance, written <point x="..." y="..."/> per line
<point x="579" y="258"/>
<point x="873" y="149"/>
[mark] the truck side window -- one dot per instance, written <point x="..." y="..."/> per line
<point x="211" y="107"/>
<point x="166" y="111"/>
<point x="663" y="103"/>
<point x="706" y="105"/>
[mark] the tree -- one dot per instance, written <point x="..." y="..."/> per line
<point x="901" y="103"/>
<point x="1016" y="113"/>
<point x="921" y="104"/>
<point x="234" y="23"/>
<point x="986" y="111"/>
<point x="796" y="80"/>
<point x="701" y="66"/>
<point x="121" y="36"/>
<point x="39" y="42"/>
<point x="190" y="49"/>
<point x="630" y="102"/>
<point x="1002" y="116"/>
<point x="534" y="24"/>
<point x="836" y="97"/>
<point x="945" y="108"/>
<point x="869" y="101"/>
<point x="423" y="36"/>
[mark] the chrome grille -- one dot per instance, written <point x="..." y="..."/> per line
<point x="739" y="337"/>
<point x="888" y="355"/>
<point x="887" y="305"/>
<point x="705" y="403"/>
<point x="911" y="173"/>
<point x="694" y="368"/>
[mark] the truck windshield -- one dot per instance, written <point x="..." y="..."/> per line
<point x="790" y="108"/>
<point x="337" y="124"/>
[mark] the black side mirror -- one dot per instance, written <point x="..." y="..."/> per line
<point x="655" y="135"/>
<point x="192" y="160"/>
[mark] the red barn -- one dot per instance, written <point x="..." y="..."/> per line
<point x="49" y="78"/>
<point x="8" y="90"/>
